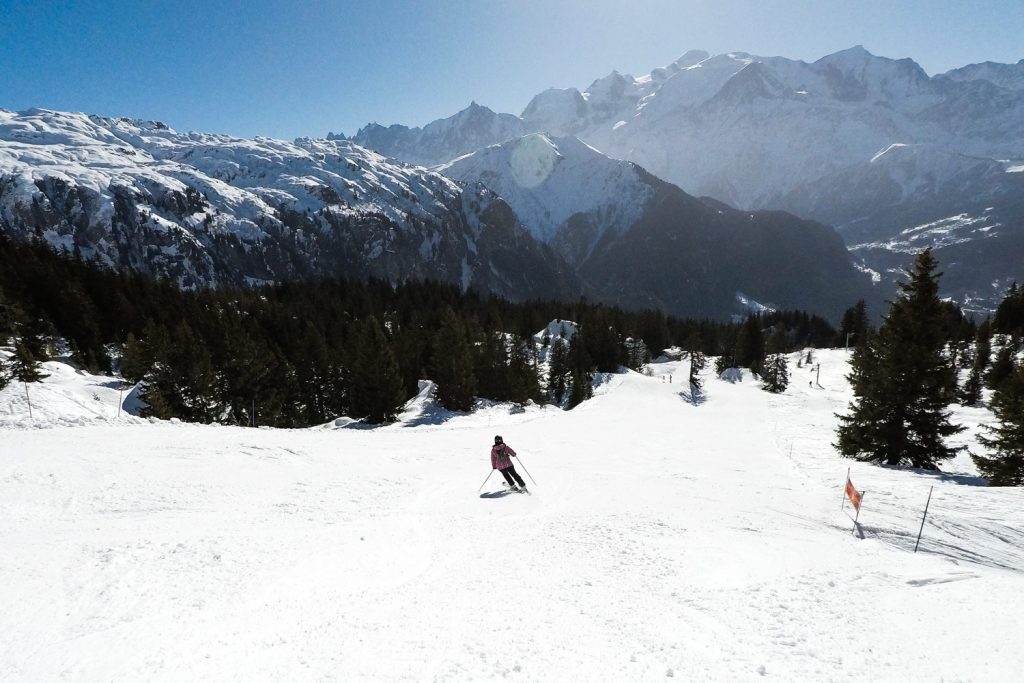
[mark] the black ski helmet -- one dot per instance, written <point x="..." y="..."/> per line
<point x="497" y="439"/>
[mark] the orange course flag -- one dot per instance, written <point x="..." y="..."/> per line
<point x="853" y="495"/>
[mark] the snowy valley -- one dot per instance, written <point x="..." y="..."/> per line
<point x="664" y="538"/>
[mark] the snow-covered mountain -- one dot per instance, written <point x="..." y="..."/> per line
<point x="565" y="192"/>
<point x="208" y="209"/>
<point x="535" y="217"/>
<point x="968" y="209"/>
<point x="770" y="132"/>
<point x="640" y="242"/>
<point x="1004" y="75"/>
<point x="745" y="129"/>
<point x="469" y="130"/>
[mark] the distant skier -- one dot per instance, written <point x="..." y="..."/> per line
<point x="500" y="454"/>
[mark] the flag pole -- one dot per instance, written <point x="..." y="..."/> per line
<point x="857" y="516"/>
<point x="927" y="503"/>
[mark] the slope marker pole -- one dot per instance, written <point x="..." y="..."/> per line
<point x="927" y="503"/>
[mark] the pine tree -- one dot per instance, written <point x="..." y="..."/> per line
<point x="193" y="378"/>
<point x="604" y="346"/>
<point x="1005" y="467"/>
<point x="522" y="379"/>
<point x="698" y="361"/>
<point x="181" y="381"/>
<point x="452" y="364"/>
<point x="252" y="380"/>
<point x="558" y="370"/>
<point x="37" y="337"/>
<point x="375" y="385"/>
<point x="491" y="367"/>
<point x="983" y="345"/>
<point x="156" y="379"/>
<point x="970" y="393"/>
<point x="775" y="375"/>
<point x="637" y="354"/>
<point x="10" y="315"/>
<point x="726" y="349"/>
<point x="315" y="374"/>
<point x="750" y="345"/>
<point x="1009" y="318"/>
<point x="900" y="378"/>
<point x="24" y="366"/>
<point x="853" y="325"/>
<point x="134" y="359"/>
<point x="5" y="373"/>
<point x="654" y="331"/>
<point x="581" y="378"/>
<point x="1001" y="368"/>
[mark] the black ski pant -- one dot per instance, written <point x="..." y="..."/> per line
<point x="510" y="472"/>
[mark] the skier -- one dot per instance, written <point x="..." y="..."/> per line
<point x="500" y="454"/>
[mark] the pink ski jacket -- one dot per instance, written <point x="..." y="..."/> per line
<point x="500" y="454"/>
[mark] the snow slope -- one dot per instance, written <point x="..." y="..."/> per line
<point x="663" y="539"/>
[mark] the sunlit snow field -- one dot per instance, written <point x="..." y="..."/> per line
<point x="662" y="539"/>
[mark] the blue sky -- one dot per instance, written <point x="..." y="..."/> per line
<point x="287" y="69"/>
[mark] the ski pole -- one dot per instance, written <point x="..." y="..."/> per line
<point x="485" y="480"/>
<point x="526" y="470"/>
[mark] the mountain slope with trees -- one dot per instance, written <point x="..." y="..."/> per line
<point x="639" y="242"/>
<point x="207" y="209"/>
<point x="302" y="353"/>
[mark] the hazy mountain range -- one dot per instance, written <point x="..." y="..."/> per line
<point x="211" y="209"/>
<point x="873" y="146"/>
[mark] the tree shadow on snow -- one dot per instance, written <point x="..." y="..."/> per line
<point x="952" y="477"/>
<point x="432" y="414"/>
<point x="694" y="396"/>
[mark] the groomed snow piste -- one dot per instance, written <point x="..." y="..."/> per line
<point x="664" y="539"/>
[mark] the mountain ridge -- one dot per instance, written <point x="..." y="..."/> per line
<point x="638" y="241"/>
<point x="207" y="209"/>
<point x="776" y="133"/>
<point x="204" y="208"/>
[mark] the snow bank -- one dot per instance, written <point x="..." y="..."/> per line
<point x="67" y="398"/>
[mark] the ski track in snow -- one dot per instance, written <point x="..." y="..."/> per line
<point x="663" y="539"/>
